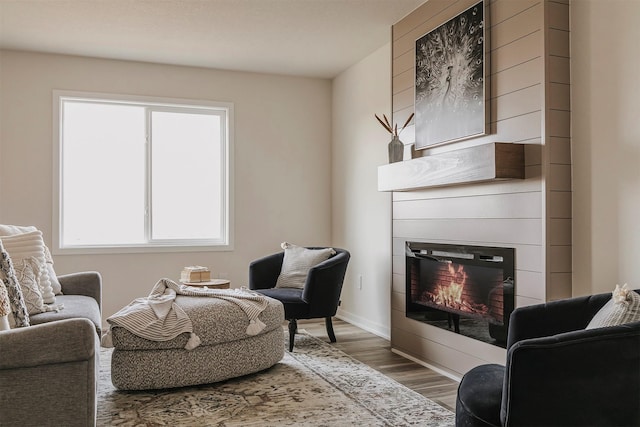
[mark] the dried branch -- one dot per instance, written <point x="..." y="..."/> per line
<point x="384" y="125"/>
<point x="407" y="122"/>
<point x="392" y="129"/>
<point x="387" y="121"/>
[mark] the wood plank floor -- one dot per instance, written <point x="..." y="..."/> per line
<point x="376" y="352"/>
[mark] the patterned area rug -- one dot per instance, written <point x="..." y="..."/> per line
<point x="316" y="385"/>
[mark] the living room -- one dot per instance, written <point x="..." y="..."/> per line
<point x="306" y="156"/>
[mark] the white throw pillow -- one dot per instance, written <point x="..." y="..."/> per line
<point x="31" y="246"/>
<point x="10" y="230"/>
<point x="297" y="263"/>
<point x="53" y="277"/>
<point x="623" y="307"/>
<point x="4" y="323"/>
<point x="27" y="272"/>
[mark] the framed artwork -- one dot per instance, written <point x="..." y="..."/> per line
<point x="451" y="86"/>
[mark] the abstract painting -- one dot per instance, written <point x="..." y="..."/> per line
<point x="450" y="84"/>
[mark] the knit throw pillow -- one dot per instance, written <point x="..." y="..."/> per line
<point x="27" y="251"/>
<point x="297" y="262"/>
<point x="20" y="316"/>
<point x="12" y="230"/>
<point x="27" y="272"/>
<point x="53" y="277"/>
<point x="5" y="307"/>
<point x="623" y="307"/>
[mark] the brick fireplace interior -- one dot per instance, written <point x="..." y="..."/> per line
<point x="468" y="290"/>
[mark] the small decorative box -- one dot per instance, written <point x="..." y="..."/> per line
<point x="195" y="274"/>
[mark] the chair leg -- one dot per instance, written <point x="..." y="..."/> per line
<point x="293" y="327"/>
<point x="327" y="322"/>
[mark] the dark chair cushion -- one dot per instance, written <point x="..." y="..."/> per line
<point x="291" y="298"/>
<point x="480" y="396"/>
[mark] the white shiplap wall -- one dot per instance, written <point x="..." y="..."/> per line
<point x="529" y="104"/>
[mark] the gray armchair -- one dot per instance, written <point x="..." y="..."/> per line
<point x="48" y="371"/>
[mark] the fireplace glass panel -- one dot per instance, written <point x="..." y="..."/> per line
<point x="465" y="289"/>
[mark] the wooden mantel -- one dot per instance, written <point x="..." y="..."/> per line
<point x="485" y="162"/>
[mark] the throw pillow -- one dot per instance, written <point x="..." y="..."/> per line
<point x="20" y="315"/>
<point x="5" y="307"/>
<point x="53" y="277"/>
<point x="27" y="271"/>
<point x="31" y="246"/>
<point x="623" y="307"/>
<point x="11" y="230"/>
<point x="297" y="263"/>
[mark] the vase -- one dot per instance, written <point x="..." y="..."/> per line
<point x="396" y="150"/>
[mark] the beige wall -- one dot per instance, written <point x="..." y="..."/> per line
<point x="362" y="215"/>
<point x="606" y="144"/>
<point x="282" y="159"/>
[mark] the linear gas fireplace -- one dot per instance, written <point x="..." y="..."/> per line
<point x="466" y="289"/>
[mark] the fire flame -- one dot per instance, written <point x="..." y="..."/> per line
<point x="451" y="295"/>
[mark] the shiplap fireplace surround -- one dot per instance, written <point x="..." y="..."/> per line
<point x="529" y="104"/>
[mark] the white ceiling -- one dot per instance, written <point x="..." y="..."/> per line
<point x="316" y="38"/>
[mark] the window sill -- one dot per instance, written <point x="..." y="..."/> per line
<point x="88" y="250"/>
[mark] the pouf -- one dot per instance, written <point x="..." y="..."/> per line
<point x="226" y="350"/>
<point x="480" y="397"/>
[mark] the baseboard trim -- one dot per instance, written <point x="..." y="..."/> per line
<point x="441" y="371"/>
<point x="362" y="323"/>
<point x="385" y="333"/>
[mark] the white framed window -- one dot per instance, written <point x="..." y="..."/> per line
<point x="135" y="173"/>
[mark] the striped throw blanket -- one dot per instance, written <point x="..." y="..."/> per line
<point x="158" y="318"/>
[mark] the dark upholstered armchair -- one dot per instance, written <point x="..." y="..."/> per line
<point x="319" y="298"/>
<point x="557" y="372"/>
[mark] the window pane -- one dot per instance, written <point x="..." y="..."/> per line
<point x="103" y="174"/>
<point x="186" y="179"/>
<point x="142" y="172"/>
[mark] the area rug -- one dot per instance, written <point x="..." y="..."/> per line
<point x="315" y="385"/>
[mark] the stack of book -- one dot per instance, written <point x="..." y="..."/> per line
<point x="195" y="274"/>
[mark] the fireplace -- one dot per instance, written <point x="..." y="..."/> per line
<point x="466" y="289"/>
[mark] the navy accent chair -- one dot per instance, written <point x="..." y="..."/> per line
<point x="557" y="373"/>
<point x="319" y="298"/>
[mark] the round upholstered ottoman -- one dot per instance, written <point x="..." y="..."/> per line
<point x="226" y="350"/>
<point x="480" y="397"/>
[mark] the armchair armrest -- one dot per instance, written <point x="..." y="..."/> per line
<point x="88" y="283"/>
<point x="585" y="377"/>
<point x="553" y="318"/>
<point x="324" y="284"/>
<point x="53" y="364"/>
<point x="264" y="272"/>
<point x="62" y="341"/>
